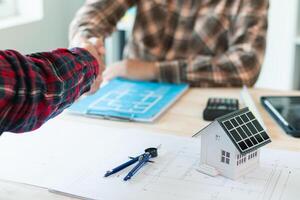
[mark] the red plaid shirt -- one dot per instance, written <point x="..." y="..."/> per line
<point x="37" y="87"/>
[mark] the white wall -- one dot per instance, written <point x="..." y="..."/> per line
<point x="49" y="33"/>
<point x="278" y="68"/>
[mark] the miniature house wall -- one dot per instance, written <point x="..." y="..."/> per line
<point x="218" y="151"/>
<point x="221" y="150"/>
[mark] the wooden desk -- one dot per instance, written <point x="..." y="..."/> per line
<point x="184" y="119"/>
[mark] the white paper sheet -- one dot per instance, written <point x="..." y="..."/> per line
<point x="73" y="157"/>
<point x="175" y="176"/>
<point x="60" y="149"/>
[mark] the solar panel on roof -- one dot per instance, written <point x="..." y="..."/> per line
<point x="239" y="120"/>
<point x="245" y="131"/>
<point x="245" y="118"/>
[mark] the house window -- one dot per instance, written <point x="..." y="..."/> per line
<point x="18" y="12"/>
<point x="241" y="159"/>
<point x="8" y="8"/>
<point x="252" y="155"/>
<point x="218" y="138"/>
<point x="225" y="157"/>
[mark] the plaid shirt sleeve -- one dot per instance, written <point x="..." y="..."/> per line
<point x="37" y="87"/>
<point x="239" y="65"/>
<point x="98" y="18"/>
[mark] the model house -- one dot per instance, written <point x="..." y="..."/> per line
<point x="230" y="146"/>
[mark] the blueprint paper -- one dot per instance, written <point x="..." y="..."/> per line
<point x="175" y="176"/>
<point x="133" y="100"/>
<point x="60" y="148"/>
<point x="72" y="158"/>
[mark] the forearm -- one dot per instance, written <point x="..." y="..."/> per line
<point x="37" y="87"/>
<point x="230" y="69"/>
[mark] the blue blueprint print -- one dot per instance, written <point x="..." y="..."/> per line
<point x="126" y="99"/>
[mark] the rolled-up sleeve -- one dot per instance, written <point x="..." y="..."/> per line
<point x="98" y="18"/>
<point x="37" y="87"/>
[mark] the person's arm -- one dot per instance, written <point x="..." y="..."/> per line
<point x="98" y="18"/>
<point x="37" y="87"/>
<point x="239" y="65"/>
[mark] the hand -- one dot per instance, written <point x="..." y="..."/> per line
<point x="96" y="47"/>
<point x="131" y="69"/>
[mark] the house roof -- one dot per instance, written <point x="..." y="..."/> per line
<point x="244" y="130"/>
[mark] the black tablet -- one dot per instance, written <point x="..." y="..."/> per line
<point x="286" y="111"/>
